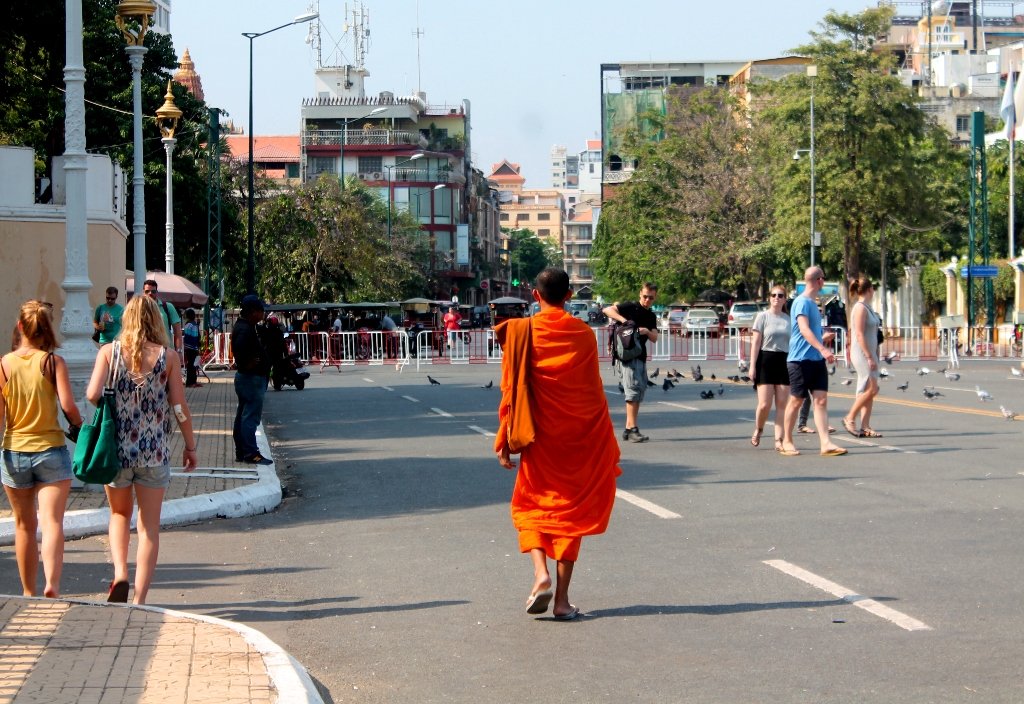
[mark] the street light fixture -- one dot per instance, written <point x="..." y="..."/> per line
<point x="250" y="272"/>
<point x="132" y="19"/>
<point x="344" y="137"/>
<point x="167" y="117"/>
<point x="414" y="157"/>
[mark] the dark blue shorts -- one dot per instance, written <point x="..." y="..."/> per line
<point x="807" y="376"/>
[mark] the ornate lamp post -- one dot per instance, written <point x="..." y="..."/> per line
<point x="250" y="270"/>
<point x="167" y="117"/>
<point x="133" y="20"/>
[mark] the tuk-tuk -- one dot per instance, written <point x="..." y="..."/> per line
<point x="507" y="307"/>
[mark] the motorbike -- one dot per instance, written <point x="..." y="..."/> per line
<point x="289" y="370"/>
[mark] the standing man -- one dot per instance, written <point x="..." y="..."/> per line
<point x="172" y="321"/>
<point x="565" y="487"/>
<point x="190" y="339"/>
<point x="106" y="319"/>
<point x="634" y="372"/>
<point x="809" y="352"/>
<point x="252" y="364"/>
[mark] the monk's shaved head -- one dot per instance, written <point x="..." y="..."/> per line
<point x="553" y="285"/>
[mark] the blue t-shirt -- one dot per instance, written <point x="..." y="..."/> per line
<point x="799" y="349"/>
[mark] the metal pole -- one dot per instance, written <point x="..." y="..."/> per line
<point x="250" y="270"/>
<point x="344" y="136"/>
<point x="135" y="54"/>
<point x="813" y="209"/>
<point x="169" y="143"/>
<point x="388" y="168"/>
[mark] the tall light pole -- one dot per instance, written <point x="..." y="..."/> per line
<point x="344" y="138"/>
<point x="414" y="157"/>
<point x="250" y="271"/>
<point x="167" y="117"/>
<point x="133" y="20"/>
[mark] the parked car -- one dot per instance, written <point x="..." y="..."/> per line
<point x="742" y="315"/>
<point x="578" y="309"/>
<point x="719" y="310"/>
<point x="702" y="320"/>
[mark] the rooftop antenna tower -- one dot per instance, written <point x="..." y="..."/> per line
<point x="357" y="23"/>
<point x="418" y="33"/>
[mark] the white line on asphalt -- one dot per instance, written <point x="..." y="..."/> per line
<point x="217" y="475"/>
<point x="410" y="398"/>
<point x="439" y="412"/>
<point x="386" y="388"/>
<point x="367" y="380"/>
<point x="862" y="602"/>
<point x="646" y="505"/>
<point x="678" y="405"/>
<point x="485" y="433"/>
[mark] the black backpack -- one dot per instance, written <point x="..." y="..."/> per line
<point x="626" y="341"/>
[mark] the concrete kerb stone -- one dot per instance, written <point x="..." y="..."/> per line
<point x="262" y="496"/>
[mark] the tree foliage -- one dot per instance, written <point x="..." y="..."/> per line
<point x="530" y="254"/>
<point x="319" y="243"/>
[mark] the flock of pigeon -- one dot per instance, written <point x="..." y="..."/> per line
<point x="673" y="377"/>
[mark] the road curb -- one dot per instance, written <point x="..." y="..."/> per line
<point x="262" y="496"/>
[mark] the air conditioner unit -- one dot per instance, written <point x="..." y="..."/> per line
<point x="377" y="175"/>
<point x="364" y="177"/>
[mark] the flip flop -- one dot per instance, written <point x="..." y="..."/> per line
<point x="571" y="616"/>
<point x="789" y="453"/>
<point x="869" y="433"/>
<point x="834" y="452"/>
<point x="852" y="429"/>
<point x="538" y="603"/>
<point x="805" y="430"/>
<point x="118" y="593"/>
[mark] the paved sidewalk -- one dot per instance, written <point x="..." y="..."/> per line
<point x="64" y="651"/>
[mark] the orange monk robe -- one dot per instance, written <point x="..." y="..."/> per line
<point x="566" y="480"/>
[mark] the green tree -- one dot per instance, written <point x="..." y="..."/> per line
<point x="321" y="244"/>
<point x="530" y="255"/>
<point x="878" y="158"/>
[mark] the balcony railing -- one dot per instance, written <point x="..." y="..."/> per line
<point x="366" y="138"/>
<point x="616" y="176"/>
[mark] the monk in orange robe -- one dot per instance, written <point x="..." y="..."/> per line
<point x="565" y="487"/>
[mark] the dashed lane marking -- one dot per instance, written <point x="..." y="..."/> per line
<point x="444" y="414"/>
<point x="478" y="429"/>
<point x="646" y="505"/>
<point x="678" y="405"/>
<point x="386" y="388"/>
<point x="410" y="398"/>
<point x="861" y="602"/>
<point x="368" y="380"/>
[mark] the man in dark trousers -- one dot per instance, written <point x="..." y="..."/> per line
<point x="252" y="364"/>
<point x="634" y="372"/>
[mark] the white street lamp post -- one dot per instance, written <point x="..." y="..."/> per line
<point x="133" y="20"/>
<point x="167" y="117"/>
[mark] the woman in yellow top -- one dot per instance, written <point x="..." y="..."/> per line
<point x="36" y="462"/>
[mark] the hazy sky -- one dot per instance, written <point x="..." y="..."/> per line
<point x="530" y="69"/>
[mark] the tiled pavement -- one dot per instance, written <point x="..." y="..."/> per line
<point x="77" y="652"/>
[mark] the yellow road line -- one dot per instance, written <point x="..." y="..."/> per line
<point x="926" y="404"/>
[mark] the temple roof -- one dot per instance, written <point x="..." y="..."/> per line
<point x="186" y="75"/>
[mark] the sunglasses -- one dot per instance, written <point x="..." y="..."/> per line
<point x="778" y="295"/>
<point x="149" y="290"/>
<point x="646" y="298"/>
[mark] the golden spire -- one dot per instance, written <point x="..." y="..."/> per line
<point x="186" y="75"/>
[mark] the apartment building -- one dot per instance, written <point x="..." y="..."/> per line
<point x="577" y="241"/>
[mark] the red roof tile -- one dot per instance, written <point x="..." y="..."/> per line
<point x="284" y="148"/>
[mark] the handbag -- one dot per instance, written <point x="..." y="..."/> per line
<point x="96" y="460"/>
<point x="521" y="431"/>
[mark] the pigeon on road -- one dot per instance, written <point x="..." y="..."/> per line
<point x="884" y="373"/>
<point x="488" y="385"/>
<point x="1007" y="413"/>
<point x="930" y="393"/>
<point x="743" y="365"/>
<point x="923" y="370"/>
<point x="707" y="394"/>
<point x="735" y="378"/>
<point x="654" y="374"/>
<point x="1016" y="372"/>
<point x="697" y="376"/>
<point x="952" y="376"/>
<point x="433" y="381"/>
<point x="904" y="386"/>
<point x="832" y="370"/>
<point x="650" y="383"/>
<point x="677" y="374"/>
<point x="846" y="380"/>
<point x="721" y="389"/>
<point x="666" y="385"/>
<point x="982" y="394"/>
<point x="891" y="357"/>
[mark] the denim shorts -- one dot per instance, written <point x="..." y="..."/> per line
<point x="23" y="470"/>
<point x="152" y="477"/>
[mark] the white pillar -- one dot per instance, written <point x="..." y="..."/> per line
<point x="135" y="54"/>
<point x="169" y="143"/>
<point x="76" y="319"/>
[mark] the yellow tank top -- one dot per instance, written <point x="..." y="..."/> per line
<point x="31" y="402"/>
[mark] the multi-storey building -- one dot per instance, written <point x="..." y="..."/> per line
<point x="414" y="154"/>
<point x="590" y="171"/>
<point x="577" y="240"/>
<point x="558" y="166"/>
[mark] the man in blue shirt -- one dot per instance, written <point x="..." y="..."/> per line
<point x="809" y="353"/>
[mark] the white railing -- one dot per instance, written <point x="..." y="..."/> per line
<point x="661" y="350"/>
<point x="698" y="344"/>
<point x="359" y="137"/>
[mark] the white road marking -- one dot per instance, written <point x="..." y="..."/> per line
<point x="216" y="475"/>
<point x="439" y="412"/>
<point x="386" y="388"/>
<point x="367" y="380"/>
<point x="678" y="405"/>
<point x="485" y="433"/>
<point x="410" y="398"/>
<point x="861" y="602"/>
<point x="646" y="505"/>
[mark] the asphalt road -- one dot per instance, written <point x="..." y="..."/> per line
<point x="392" y="569"/>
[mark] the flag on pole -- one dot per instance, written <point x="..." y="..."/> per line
<point x="1007" y="109"/>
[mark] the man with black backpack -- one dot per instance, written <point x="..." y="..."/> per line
<point x="633" y="371"/>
